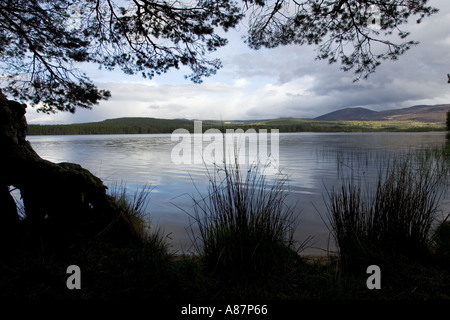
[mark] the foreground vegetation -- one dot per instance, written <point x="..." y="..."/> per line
<point x="152" y="125"/>
<point x="245" y="246"/>
<point x="397" y="217"/>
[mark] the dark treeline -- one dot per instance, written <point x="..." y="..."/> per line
<point x="154" y="126"/>
<point x="76" y="129"/>
<point x="114" y="126"/>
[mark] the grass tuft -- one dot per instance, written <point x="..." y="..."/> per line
<point x="245" y="229"/>
<point x="134" y="209"/>
<point x="395" y="220"/>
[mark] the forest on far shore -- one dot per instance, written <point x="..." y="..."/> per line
<point x="155" y="126"/>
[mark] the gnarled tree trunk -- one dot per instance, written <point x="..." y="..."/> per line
<point x="62" y="201"/>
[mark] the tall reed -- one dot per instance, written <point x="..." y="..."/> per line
<point x="134" y="210"/>
<point x="245" y="229"/>
<point x="396" y="218"/>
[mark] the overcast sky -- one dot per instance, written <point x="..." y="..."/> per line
<point x="281" y="82"/>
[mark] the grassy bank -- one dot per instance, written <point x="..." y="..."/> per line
<point x="143" y="272"/>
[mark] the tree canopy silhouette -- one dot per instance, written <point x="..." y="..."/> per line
<point x="44" y="43"/>
<point x="358" y="33"/>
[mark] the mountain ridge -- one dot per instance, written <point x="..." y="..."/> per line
<point x="422" y="113"/>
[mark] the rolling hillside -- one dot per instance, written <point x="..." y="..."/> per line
<point x="348" y="114"/>
<point x="417" y="118"/>
<point x="421" y="113"/>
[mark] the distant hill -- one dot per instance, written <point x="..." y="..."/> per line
<point x="143" y="121"/>
<point x="348" y="114"/>
<point x="416" y="118"/>
<point x="421" y="113"/>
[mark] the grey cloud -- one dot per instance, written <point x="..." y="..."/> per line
<point x="418" y="75"/>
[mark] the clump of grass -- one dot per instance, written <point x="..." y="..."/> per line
<point x="395" y="220"/>
<point x="134" y="210"/>
<point x="245" y="229"/>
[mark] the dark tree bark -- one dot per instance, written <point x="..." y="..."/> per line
<point x="62" y="201"/>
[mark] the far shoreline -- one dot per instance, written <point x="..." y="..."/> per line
<point x="288" y="125"/>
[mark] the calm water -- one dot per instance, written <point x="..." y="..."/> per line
<point x="311" y="161"/>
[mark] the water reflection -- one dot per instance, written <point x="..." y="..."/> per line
<point x="313" y="162"/>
